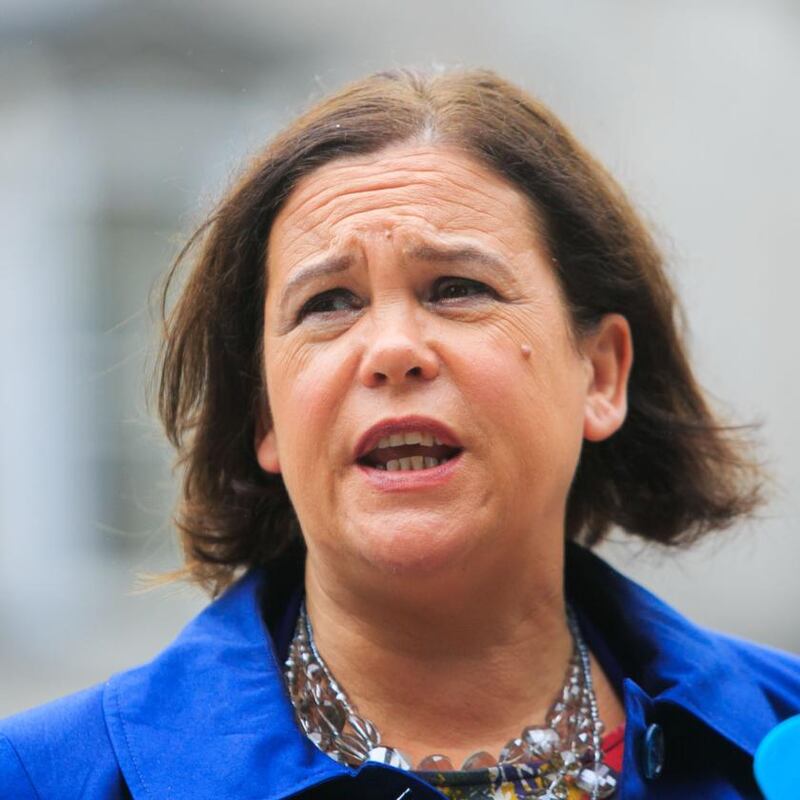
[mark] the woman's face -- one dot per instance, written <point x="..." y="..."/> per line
<point x="409" y="290"/>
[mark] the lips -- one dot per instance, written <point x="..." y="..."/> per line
<point x="370" y="439"/>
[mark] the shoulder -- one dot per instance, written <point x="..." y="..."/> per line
<point x="775" y="671"/>
<point x="60" y="749"/>
<point x="180" y="725"/>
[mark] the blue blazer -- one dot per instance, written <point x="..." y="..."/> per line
<point x="209" y="718"/>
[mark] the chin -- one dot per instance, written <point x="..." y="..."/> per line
<point x="415" y="551"/>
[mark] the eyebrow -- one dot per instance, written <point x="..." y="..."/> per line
<point x="450" y="255"/>
<point x="317" y="269"/>
<point x="332" y="265"/>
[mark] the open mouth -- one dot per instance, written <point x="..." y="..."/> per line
<point x="423" y="451"/>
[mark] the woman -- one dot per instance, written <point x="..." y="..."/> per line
<point x="401" y="382"/>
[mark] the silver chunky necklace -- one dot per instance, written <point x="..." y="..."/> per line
<point x="566" y="750"/>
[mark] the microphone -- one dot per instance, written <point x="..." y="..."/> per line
<point x="777" y="759"/>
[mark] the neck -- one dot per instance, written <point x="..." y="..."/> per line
<point x="446" y="666"/>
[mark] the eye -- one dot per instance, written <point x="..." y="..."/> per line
<point x="457" y="288"/>
<point x="330" y="302"/>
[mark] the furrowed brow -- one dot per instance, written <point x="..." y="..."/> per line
<point x="452" y="255"/>
<point x="433" y="253"/>
<point x="317" y="269"/>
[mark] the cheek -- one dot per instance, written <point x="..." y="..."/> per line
<point x="535" y="404"/>
<point x="304" y="390"/>
<point x="549" y="374"/>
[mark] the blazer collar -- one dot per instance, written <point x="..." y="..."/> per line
<point x="210" y="717"/>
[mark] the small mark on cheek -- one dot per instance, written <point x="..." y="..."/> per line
<point x="526" y="350"/>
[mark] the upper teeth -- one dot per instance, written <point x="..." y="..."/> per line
<point x="411" y="437"/>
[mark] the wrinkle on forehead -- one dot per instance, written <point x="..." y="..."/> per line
<point x="392" y="168"/>
<point x="434" y="188"/>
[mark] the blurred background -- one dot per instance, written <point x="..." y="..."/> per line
<point x="120" y="122"/>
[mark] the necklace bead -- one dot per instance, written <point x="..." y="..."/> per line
<point x="515" y="752"/>
<point x="390" y="756"/>
<point x="543" y="742"/>
<point x="436" y="763"/>
<point x="479" y="760"/>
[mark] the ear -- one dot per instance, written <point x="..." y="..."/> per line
<point x="609" y="355"/>
<point x="266" y="445"/>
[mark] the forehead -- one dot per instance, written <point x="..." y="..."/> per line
<point x="417" y="191"/>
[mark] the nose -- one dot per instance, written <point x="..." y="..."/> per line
<point x="397" y="351"/>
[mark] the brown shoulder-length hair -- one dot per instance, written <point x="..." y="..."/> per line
<point x="671" y="473"/>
